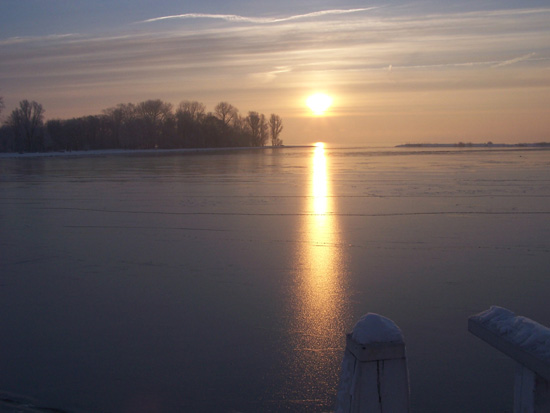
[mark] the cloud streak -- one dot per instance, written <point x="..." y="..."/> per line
<point x="253" y="62"/>
<point x="516" y="60"/>
<point x="256" y="20"/>
<point x="30" y="39"/>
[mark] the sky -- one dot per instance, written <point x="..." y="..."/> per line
<point x="397" y="71"/>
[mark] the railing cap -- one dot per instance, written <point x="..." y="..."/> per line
<point x="374" y="328"/>
<point x="521" y="338"/>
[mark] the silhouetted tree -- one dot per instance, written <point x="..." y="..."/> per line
<point x="193" y="109"/>
<point x="149" y="124"/>
<point x="130" y="127"/>
<point x="7" y="139"/>
<point x="189" y="115"/>
<point x="74" y="134"/>
<point x="56" y="130"/>
<point x="257" y="128"/>
<point x="91" y="130"/>
<point x="241" y="131"/>
<point x="26" y="122"/>
<point x="6" y="134"/>
<point x="117" y="122"/>
<point x="253" y="123"/>
<point x="213" y="132"/>
<point x="151" y="114"/>
<point x="225" y="112"/>
<point x="275" y="129"/>
<point x="264" y="131"/>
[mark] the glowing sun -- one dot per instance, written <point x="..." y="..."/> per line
<point x="319" y="103"/>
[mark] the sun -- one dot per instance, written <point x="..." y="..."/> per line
<point x="319" y="103"/>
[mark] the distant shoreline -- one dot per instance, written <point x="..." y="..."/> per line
<point x="129" y="152"/>
<point x="106" y="152"/>
<point x="475" y="145"/>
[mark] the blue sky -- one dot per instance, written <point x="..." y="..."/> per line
<point x="397" y="71"/>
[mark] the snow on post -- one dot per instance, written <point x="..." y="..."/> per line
<point x="374" y="376"/>
<point x="528" y="343"/>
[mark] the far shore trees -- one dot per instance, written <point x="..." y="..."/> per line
<point x="154" y="116"/>
<point x="193" y="109"/>
<point x="189" y="116"/>
<point x="257" y="127"/>
<point x="226" y="112"/>
<point x="145" y="125"/>
<point x="116" y="121"/>
<point x="6" y="134"/>
<point x="26" y="122"/>
<point x="275" y="129"/>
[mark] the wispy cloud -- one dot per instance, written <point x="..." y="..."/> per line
<point x="29" y="39"/>
<point x="352" y="51"/>
<point x="272" y="74"/>
<point x="515" y="60"/>
<point x="257" y="20"/>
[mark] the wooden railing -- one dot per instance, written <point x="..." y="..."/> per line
<point x="375" y="379"/>
<point x="374" y="375"/>
<point x="528" y="343"/>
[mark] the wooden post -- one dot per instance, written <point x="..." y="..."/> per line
<point x="374" y="376"/>
<point x="528" y="343"/>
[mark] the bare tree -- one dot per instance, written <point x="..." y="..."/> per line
<point x="192" y="109"/>
<point x="264" y="131"/>
<point x="26" y="122"/>
<point x="225" y="112"/>
<point x="239" y="124"/>
<point x="189" y="118"/>
<point x="1" y="104"/>
<point x="253" y="123"/>
<point x="117" y="119"/>
<point x="154" y="114"/>
<point x="257" y="127"/>
<point x="275" y="129"/>
<point x="154" y="111"/>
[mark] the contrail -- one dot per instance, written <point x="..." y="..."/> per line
<point x="260" y="20"/>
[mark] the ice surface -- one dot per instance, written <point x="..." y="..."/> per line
<point x="109" y="262"/>
<point x="374" y="328"/>
<point x="522" y="331"/>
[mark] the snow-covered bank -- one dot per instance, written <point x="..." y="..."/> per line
<point x="475" y="145"/>
<point x="105" y="152"/>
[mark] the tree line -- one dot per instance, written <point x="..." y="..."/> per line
<point x="146" y="125"/>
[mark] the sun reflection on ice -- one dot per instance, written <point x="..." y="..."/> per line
<point x="319" y="183"/>
<point x="318" y="303"/>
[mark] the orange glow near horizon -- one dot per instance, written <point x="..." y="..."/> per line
<point x="406" y="91"/>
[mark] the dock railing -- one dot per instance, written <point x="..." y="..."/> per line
<point x="374" y="376"/>
<point x="528" y="343"/>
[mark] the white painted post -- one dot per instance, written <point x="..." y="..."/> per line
<point x="528" y="343"/>
<point x="374" y="376"/>
<point x="531" y="391"/>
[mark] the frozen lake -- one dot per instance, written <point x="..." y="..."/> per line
<point x="226" y="281"/>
